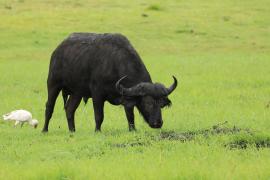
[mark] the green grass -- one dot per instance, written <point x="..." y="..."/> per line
<point x="219" y="51"/>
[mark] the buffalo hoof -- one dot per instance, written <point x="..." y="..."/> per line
<point x="132" y="129"/>
<point x="97" y="130"/>
<point x="72" y="130"/>
<point x="44" y="131"/>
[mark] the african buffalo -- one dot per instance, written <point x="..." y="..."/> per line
<point x="104" y="67"/>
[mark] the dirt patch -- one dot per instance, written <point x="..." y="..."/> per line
<point x="247" y="138"/>
<point x="214" y="130"/>
<point x="189" y="31"/>
<point x="138" y="141"/>
<point x="171" y="135"/>
<point x="130" y="144"/>
<point x="244" y="143"/>
<point x="241" y="138"/>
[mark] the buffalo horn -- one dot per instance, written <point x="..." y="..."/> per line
<point x="146" y="88"/>
<point x="119" y="87"/>
<point x="172" y="87"/>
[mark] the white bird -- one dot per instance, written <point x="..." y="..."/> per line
<point x="21" y="117"/>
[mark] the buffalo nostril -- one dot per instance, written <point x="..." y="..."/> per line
<point x="157" y="125"/>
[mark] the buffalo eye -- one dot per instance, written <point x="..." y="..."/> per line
<point x="149" y="104"/>
<point x="165" y="102"/>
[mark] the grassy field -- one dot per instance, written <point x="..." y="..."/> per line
<point x="219" y="51"/>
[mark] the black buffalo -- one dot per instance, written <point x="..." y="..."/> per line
<point x="104" y="67"/>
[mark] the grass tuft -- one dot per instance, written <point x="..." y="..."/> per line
<point x="155" y="7"/>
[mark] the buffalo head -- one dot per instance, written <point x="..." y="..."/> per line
<point x="149" y="98"/>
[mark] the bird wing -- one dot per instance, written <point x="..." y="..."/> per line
<point x="19" y="115"/>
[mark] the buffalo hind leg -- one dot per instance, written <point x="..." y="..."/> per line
<point x="70" y="107"/>
<point x="52" y="96"/>
<point x="98" y="104"/>
<point x="130" y="117"/>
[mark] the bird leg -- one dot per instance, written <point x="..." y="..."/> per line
<point x="16" y="123"/>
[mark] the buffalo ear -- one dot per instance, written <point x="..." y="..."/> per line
<point x="128" y="102"/>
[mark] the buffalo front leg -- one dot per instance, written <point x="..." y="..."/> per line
<point x="130" y="117"/>
<point x="98" y="104"/>
<point x="53" y="92"/>
<point x="70" y="107"/>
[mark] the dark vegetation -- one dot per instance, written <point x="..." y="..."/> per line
<point x="154" y="7"/>
<point x="242" y="138"/>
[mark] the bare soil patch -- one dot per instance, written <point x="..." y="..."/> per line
<point x="214" y="130"/>
<point x="242" y="138"/>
